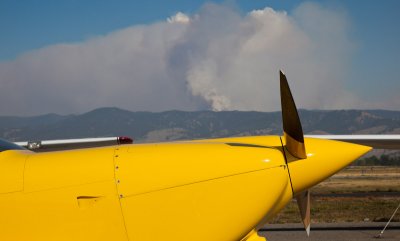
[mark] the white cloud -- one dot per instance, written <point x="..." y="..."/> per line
<point x="179" y="17"/>
<point x="216" y="59"/>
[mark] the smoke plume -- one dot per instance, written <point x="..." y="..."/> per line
<point x="214" y="59"/>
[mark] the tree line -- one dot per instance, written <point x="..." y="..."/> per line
<point x="383" y="160"/>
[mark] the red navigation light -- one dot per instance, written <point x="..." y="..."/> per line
<point x="124" y="140"/>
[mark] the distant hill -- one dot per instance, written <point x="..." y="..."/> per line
<point x="179" y="125"/>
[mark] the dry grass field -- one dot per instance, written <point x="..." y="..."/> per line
<point x="358" y="179"/>
<point x="355" y="194"/>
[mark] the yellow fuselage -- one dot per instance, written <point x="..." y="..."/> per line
<point x="219" y="189"/>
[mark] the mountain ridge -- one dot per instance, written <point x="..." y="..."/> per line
<point x="180" y="125"/>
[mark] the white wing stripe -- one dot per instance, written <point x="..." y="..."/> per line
<point x="53" y="145"/>
<point x="72" y="141"/>
<point x="375" y="141"/>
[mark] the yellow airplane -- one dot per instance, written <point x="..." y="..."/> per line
<point x="216" y="190"/>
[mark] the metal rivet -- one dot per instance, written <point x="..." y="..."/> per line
<point x="116" y="155"/>
<point x="121" y="196"/>
<point x="116" y="167"/>
<point x="118" y="181"/>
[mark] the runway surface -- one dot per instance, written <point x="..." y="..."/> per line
<point x="332" y="232"/>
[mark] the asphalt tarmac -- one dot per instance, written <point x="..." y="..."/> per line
<point x="332" y="232"/>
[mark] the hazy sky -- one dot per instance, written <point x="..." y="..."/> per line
<point x="74" y="56"/>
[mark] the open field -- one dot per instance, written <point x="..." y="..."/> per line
<point x="356" y="194"/>
<point x="357" y="179"/>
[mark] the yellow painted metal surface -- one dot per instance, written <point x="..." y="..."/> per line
<point x="174" y="187"/>
<point x="253" y="236"/>
<point x="214" y="210"/>
<point x="66" y="196"/>
<point x="273" y="141"/>
<point x="68" y="168"/>
<point x="324" y="158"/>
<point x="57" y="214"/>
<point x="159" y="191"/>
<point x="147" y="168"/>
<point x="110" y="193"/>
<point x="12" y="165"/>
<point x="282" y="200"/>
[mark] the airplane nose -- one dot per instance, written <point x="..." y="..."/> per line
<point x="324" y="158"/>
